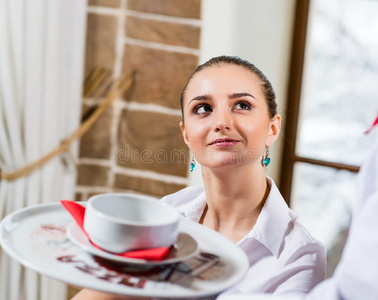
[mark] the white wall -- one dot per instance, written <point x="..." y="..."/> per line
<point x="260" y="32"/>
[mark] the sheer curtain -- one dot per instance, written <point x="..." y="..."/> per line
<point x="41" y="67"/>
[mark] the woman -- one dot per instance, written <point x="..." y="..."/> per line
<point x="229" y="122"/>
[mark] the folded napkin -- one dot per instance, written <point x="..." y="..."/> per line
<point x="77" y="211"/>
<point x="375" y="123"/>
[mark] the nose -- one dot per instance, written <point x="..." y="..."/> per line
<point x="223" y="121"/>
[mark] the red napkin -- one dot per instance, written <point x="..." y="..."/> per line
<point x="77" y="211"/>
<point x="375" y="123"/>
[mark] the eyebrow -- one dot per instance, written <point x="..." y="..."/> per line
<point x="240" y="95"/>
<point x="201" y="98"/>
<point x="232" y="96"/>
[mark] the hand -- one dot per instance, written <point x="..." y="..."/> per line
<point x="87" y="294"/>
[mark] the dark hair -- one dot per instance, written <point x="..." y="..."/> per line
<point x="266" y="86"/>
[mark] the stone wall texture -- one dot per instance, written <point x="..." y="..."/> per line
<point x="136" y="144"/>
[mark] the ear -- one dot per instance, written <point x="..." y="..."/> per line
<point x="274" y="130"/>
<point x="184" y="135"/>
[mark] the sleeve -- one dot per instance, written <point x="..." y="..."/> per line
<point x="300" y="271"/>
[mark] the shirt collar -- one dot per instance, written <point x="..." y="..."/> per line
<point x="270" y="226"/>
<point x="273" y="221"/>
<point x="194" y="209"/>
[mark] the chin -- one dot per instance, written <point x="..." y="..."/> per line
<point x="222" y="164"/>
<point x="226" y="158"/>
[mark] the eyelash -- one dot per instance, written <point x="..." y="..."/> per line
<point x="207" y="106"/>
<point x="242" y="102"/>
<point x="199" y="106"/>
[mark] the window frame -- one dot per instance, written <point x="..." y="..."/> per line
<point x="289" y="156"/>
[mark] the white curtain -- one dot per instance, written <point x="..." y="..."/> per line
<point x="41" y="67"/>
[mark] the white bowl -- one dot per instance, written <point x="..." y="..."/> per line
<point x="121" y="222"/>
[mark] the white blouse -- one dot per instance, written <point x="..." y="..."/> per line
<point x="284" y="258"/>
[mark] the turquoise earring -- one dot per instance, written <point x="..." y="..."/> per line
<point x="192" y="164"/>
<point x="266" y="161"/>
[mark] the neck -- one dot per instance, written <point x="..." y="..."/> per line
<point x="234" y="199"/>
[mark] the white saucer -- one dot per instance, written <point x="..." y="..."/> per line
<point x="184" y="248"/>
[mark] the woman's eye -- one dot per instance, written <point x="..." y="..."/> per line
<point x="202" y="109"/>
<point x="243" y="105"/>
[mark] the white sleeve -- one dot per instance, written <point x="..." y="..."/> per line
<point x="357" y="272"/>
<point x="301" y="271"/>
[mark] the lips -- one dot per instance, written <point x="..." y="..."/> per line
<point x="223" y="142"/>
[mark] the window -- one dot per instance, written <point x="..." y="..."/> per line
<point x="333" y="99"/>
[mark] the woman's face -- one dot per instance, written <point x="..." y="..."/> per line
<point x="226" y="119"/>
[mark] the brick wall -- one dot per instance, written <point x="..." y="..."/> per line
<point x="136" y="145"/>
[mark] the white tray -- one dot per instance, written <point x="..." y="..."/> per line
<point x="36" y="237"/>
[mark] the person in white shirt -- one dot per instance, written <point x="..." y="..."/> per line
<point x="283" y="257"/>
<point x="356" y="274"/>
<point x="229" y="121"/>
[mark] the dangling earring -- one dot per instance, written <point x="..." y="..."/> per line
<point x="192" y="164"/>
<point x="267" y="159"/>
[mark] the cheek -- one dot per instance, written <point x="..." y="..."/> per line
<point x="196" y="133"/>
<point x="256" y="130"/>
